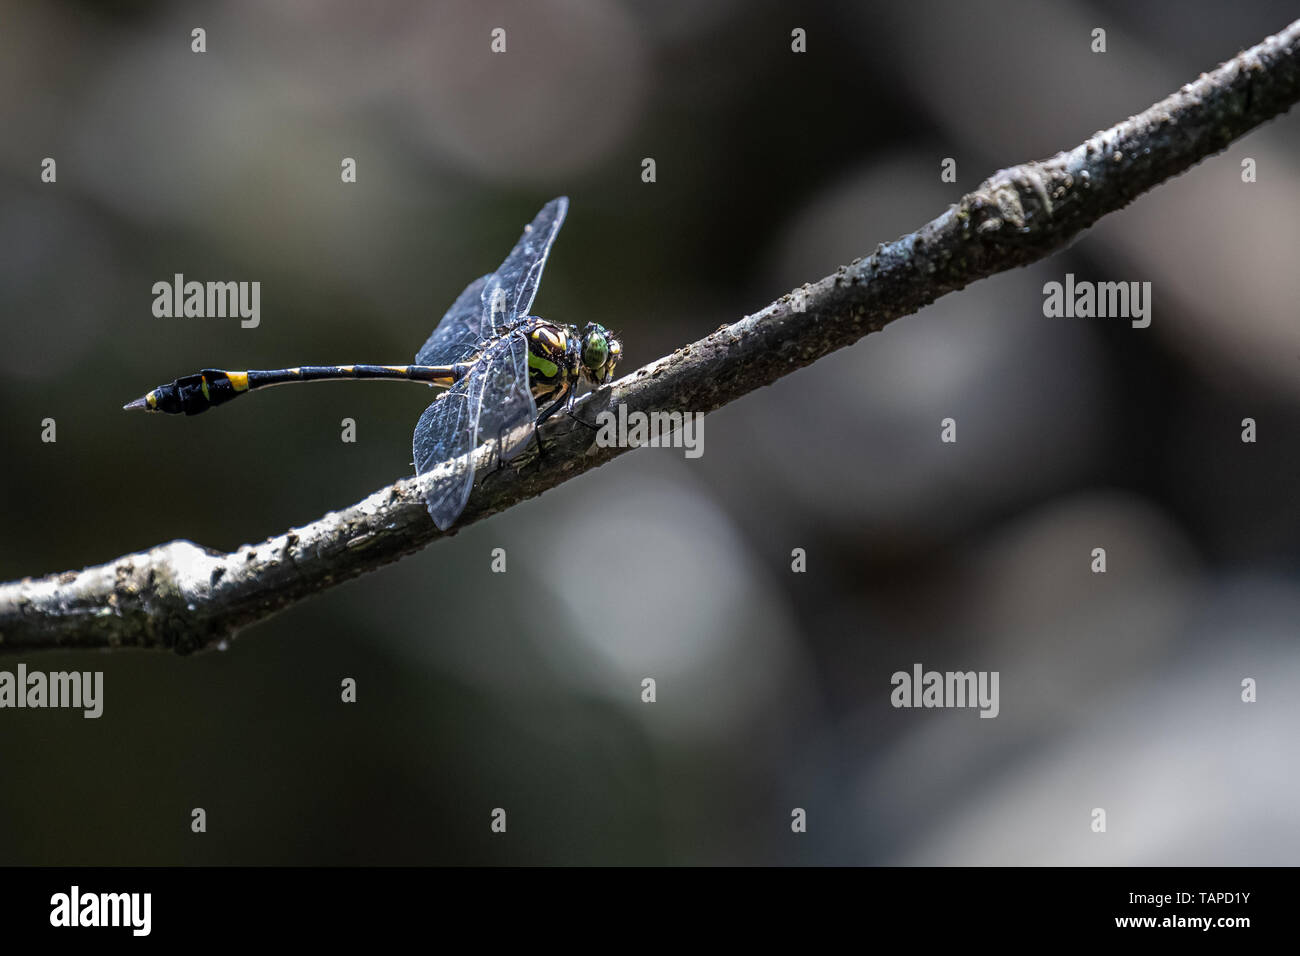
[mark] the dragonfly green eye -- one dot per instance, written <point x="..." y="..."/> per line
<point x="601" y="351"/>
<point x="595" y="350"/>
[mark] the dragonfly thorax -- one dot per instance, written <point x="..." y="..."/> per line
<point x="559" y="355"/>
<point x="552" y="355"/>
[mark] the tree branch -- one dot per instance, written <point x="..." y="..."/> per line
<point x="186" y="598"/>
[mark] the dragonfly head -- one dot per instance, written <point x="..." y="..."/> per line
<point x="601" y="351"/>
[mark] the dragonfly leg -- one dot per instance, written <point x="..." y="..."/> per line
<point x="551" y="410"/>
<point x="501" y="442"/>
<point x="541" y="449"/>
<point x="555" y="406"/>
<point x="568" y="410"/>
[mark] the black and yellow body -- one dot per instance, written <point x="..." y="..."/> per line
<point x="553" y="369"/>
<point x="556" y="363"/>
<point x="197" y="393"/>
<point x="559" y="358"/>
<point x="501" y="371"/>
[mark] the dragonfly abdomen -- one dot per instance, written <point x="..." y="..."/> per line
<point x="445" y="375"/>
<point x="195" y="394"/>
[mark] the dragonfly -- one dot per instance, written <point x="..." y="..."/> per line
<point x="494" y="362"/>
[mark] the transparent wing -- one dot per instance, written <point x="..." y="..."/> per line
<point x="509" y="292"/>
<point x="509" y="411"/>
<point x="461" y="330"/>
<point x="492" y="401"/>
<point x="447" y="432"/>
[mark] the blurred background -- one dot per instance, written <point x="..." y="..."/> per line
<point x="522" y="690"/>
